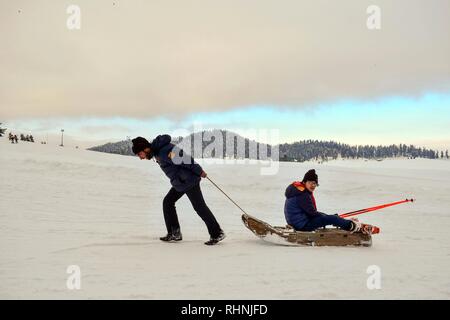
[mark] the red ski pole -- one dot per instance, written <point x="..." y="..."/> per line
<point x="361" y="211"/>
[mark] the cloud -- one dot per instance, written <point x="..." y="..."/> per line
<point x="423" y="121"/>
<point x="171" y="58"/>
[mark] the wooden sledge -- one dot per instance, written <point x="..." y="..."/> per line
<point x="289" y="237"/>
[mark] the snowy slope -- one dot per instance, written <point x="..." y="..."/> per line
<point x="103" y="212"/>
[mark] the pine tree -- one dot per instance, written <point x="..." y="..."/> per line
<point x="2" y="130"/>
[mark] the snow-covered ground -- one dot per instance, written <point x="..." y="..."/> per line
<point x="103" y="213"/>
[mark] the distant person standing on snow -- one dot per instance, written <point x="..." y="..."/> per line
<point x="185" y="178"/>
<point x="301" y="212"/>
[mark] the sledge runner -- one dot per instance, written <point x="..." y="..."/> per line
<point x="301" y="212"/>
<point x="185" y="178"/>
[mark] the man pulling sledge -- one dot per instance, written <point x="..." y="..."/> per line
<point x="185" y="178"/>
<point x="301" y="212"/>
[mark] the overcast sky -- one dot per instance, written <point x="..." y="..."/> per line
<point x="157" y="62"/>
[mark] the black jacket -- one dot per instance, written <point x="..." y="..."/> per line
<point x="180" y="168"/>
<point x="300" y="205"/>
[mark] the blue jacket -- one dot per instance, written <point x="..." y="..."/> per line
<point x="299" y="206"/>
<point x="184" y="174"/>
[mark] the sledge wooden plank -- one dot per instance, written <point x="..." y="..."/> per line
<point x="290" y="237"/>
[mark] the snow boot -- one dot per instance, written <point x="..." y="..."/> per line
<point x="363" y="228"/>
<point x="356" y="226"/>
<point x="173" y="236"/>
<point x="215" y="240"/>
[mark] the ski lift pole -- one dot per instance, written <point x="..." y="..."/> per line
<point x="226" y="195"/>
<point x="361" y="211"/>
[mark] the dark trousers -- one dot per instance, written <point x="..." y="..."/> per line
<point x="196" y="197"/>
<point x="324" y="220"/>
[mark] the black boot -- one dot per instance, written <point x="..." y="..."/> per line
<point x="173" y="236"/>
<point x="215" y="240"/>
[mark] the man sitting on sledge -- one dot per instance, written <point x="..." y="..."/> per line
<point x="301" y="212"/>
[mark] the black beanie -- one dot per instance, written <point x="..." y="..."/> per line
<point x="139" y="144"/>
<point x="311" y="176"/>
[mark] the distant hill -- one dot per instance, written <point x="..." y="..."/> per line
<point x="207" y="137"/>
<point x="298" y="151"/>
<point x="233" y="145"/>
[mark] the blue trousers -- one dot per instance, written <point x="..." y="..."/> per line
<point x="323" y="220"/>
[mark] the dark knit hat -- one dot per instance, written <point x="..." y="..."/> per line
<point x="139" y="144"/>
<point x="311" y="176"/>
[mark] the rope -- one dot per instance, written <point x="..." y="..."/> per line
<point x="226" y="195"/>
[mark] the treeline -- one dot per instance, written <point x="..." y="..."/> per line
<point x="121" y="147"/>
<point x="236" y="146"/>
<point x="13" y="137"/>
<point x="324" y="150"/>
<point x="2" y="130"/>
